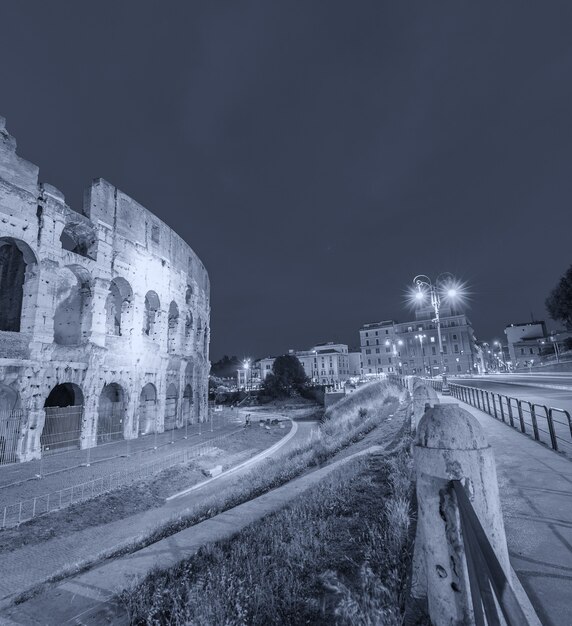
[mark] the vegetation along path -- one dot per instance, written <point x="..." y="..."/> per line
<point x="87" y="596"/>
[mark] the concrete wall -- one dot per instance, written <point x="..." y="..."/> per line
<point x="82" y="295"/>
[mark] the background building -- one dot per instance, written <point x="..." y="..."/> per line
<point x="413" y="347"/>
<point x="104" y="317"/>
<point x="524" y="342"/>
<point x="324" y="364"/>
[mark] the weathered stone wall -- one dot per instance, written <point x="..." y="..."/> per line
<point x="108" y="296"/>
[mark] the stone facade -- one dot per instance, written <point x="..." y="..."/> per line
<point x="412" y="347"/>
<point x="104" y="317"/>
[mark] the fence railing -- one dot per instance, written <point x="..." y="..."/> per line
<point x="490" y="589"/>
<point x="549" y="425"/>
<point x="10" y="425"/>
<point x="25" y="510"/>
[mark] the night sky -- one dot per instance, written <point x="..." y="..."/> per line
<point x="315" y="155"/>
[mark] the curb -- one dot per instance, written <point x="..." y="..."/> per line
<point x="255" y="459"/>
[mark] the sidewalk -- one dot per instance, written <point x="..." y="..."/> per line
<point x="51" y="557"/>
<point x="85" y="598"/>
<point x="536" y="497"/>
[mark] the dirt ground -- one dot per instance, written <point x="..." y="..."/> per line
<point x="144" y="495"/>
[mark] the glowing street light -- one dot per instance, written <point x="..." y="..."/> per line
<point x="421" y="337"/>
<point x="444" y="289"/>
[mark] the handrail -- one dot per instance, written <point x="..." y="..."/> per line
<point x="486" y="576"/>
<point x="548" y="425"/>
<point x="551" y="426"/>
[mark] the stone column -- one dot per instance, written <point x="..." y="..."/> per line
<point x="98" y="313"/>
<point x="451" y="445"/>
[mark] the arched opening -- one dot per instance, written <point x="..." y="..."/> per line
<point x="188" y="295"/>
<point x="187" y="408"/>
<point x="171" y="407"/>
<point x="11" y="420"/>
<point x="64" y="413"/>
<point x="148" y="409"/>
<point x="111" y="413"/>
<point x="15" y="258"/>
<point x="118" y="307"/>
<point x="150" y="319"/>
<point x="173" y="326"/>
<point x="72" y="318"/>
<point x="79" y="238"/>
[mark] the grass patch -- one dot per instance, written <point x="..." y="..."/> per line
<point x="339" y="431"/>
<point x="136" y="498"/>
<point x="340" y="553"/>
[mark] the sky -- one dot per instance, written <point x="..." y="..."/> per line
<point x="315" y="155"/>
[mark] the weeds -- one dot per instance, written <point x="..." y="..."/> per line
<point x="340" y="554"/>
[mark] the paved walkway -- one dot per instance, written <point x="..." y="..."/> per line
<point x="536" y="497"/>
<point x="84" y="599"/>
<point x="63" y="553"/>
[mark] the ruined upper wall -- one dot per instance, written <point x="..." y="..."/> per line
<point x="105" y="207"/>
<point x="105" y="203"/>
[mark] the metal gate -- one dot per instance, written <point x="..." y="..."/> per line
<point x="170" y="413"/>
<point x="110" y="422"/>
<point x="62" y="429"/>
<point x="10" y="426"/>
<point x="147" y="417"/>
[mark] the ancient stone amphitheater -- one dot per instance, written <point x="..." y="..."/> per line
<point x="104" y="318"/>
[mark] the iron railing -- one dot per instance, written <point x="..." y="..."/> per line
<point x="10" y="426"/>
<point x="489" y="587"/>
<point x="548" y="425"/>
<point x="25" y="510"/>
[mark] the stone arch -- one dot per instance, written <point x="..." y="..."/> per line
<point x="11" y="420"/>
<point x="111" y="413"/>
<point x="119" y="307"/>
<point x="187" y="408"/>
<point x="16" y="258"/>
<point x="188" y="295"/>
<point x="148" y="409"/>
<point x="64" y="414"/>
<point x="72" y="317"/>
<point x="172" y="327"/>
<point x="80" y="238"/>
<point x="171" y="405"/>
<point x="151" y="316"/>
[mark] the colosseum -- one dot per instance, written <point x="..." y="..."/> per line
<point x="104" y="318"/>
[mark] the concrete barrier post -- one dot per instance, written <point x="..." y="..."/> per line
<point x="451" y="445"/>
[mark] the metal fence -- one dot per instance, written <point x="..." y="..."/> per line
<point x="490" y="590"/>
<point x="10" y="426"/>
<point x="548" y="425"/>
<point x="24" y="510"/>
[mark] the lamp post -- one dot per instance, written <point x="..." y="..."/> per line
<point x="443" y="288"/>
<point x="421" y="337"/>
<point x="246" y="370"/>
<point x="394" y="345"/>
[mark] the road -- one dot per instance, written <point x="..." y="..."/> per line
<point x="547" y="390"/>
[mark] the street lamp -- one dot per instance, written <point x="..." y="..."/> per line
<point x="421" y="337"/>
<point x="246" y="368"/>
<point x="445" y="288"/>
<point x="394" y="345"/>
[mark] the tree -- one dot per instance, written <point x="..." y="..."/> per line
<point x="287" y="376"/>
<point x="559" y="302"/>
<point x="225" y="367"/>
